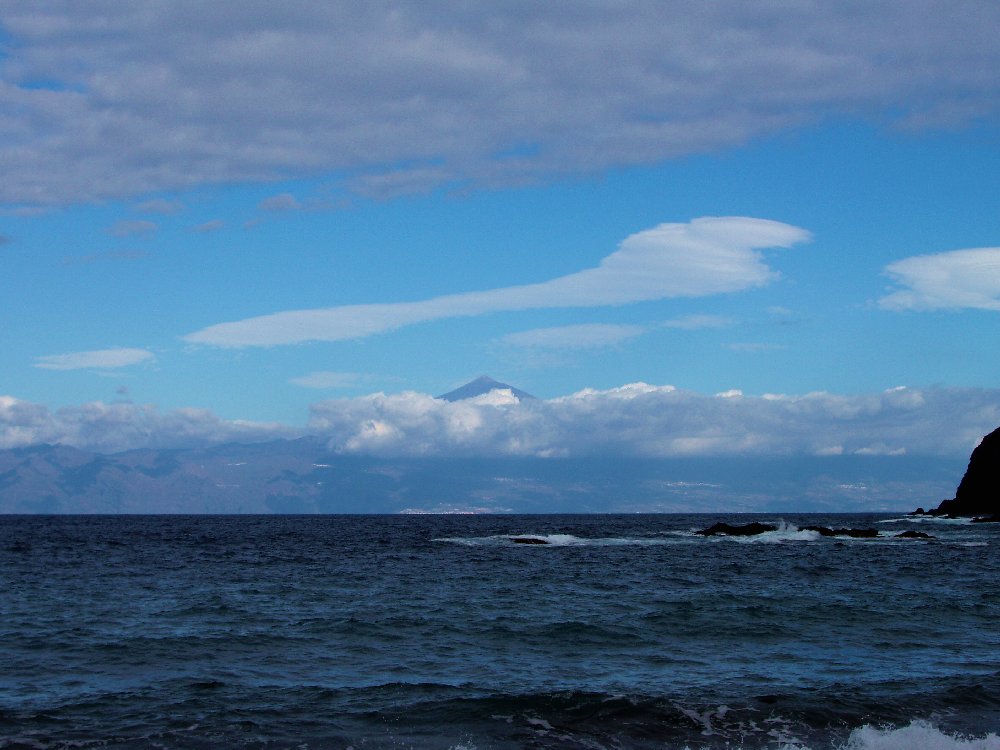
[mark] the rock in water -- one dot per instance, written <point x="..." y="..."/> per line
<point x="910" y="534"/>
<point x="853" y="533"/>
<point x="979" y="492"/>
<point x="528" y="540"/>
<point x="749" y="529"/>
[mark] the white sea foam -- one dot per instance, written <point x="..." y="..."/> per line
<point x="928" y="519"/>
<point x="919" y="735"/>
<point x="786" y="532"/>
<point x="553" y="540"/>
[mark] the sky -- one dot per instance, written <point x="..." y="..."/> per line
<point x="688" y="228"/>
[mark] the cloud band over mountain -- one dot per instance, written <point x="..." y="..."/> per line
<point x="633" y="420"/>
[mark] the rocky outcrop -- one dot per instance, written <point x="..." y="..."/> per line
<point x="911" y="534"/>
<point x="978" y="494"/>
<point x="748" y="529"/>
<point x="755" y="528"/>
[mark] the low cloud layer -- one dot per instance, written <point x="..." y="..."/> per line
<point x="114" y="100"/>
<point x="706" y="256"/>
<point x="953" y="280"/>
<point x="660" y="421"/>
<point x="633" y="420"/>
<point x="117" y="427"/>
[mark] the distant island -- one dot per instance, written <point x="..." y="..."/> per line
<point x="313" y="474"/>
<point x="978" y="494"/>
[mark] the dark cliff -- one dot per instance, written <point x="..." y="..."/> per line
<point x="978" y="494"/>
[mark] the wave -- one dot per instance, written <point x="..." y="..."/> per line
<point x="434" y="715"/>
<point x="918" y="734"/>
<point x="552" y="540"/>
<point x="928" y="519"/>
<point x="785" y="532"/>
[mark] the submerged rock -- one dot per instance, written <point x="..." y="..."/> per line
<point x="749" y="529"/>
<point x="978" y="493"/>
<point x="528" y="540"/>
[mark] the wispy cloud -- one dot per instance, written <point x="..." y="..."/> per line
<point x="159" y="206"/>
<point x="133" y="228"/>
<point x="328" y="379"/>
<point x="754" y="346"/>
<point x="210" y="226"/>
<point x="696" y="322"/>
<point x="100" y="359"/>
<point x="602" y="335"/>
<point x="706" y="256"/>
<point x="280" y="202"/>
<point x="583" y="336"/>
<point x="951" y="280"/>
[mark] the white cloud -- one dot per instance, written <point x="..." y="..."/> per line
<point x="409" y="96"/>
<point x="116" y="427"/>
<point x="636" y="419"/>
<point x="710" y="255"/>
<point x="880" y="449"/>
<point x="951" y="280"/>
<point x="731" y="393"/>
<point x="661" y="421"/>
<point x="101" y="359"/>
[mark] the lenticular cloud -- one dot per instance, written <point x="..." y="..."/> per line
<point x="952" y="280"/>
<point x="710" y="255"/>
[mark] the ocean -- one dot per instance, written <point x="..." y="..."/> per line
<point x="445" y="631"/>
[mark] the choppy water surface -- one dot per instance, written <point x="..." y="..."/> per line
<point x="443" y="631"/>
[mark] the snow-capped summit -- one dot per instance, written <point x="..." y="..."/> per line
<point x="480" y="386"/>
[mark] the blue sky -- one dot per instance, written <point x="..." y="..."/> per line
<point x="241" y="218"/>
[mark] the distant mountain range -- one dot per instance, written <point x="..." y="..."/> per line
<point x="305" y="476"/>
<point x="302" y="476"/>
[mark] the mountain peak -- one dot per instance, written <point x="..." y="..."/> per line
<point x="481" y="385"/>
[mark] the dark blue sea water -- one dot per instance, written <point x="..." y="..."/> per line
<point x="443" y="632"/>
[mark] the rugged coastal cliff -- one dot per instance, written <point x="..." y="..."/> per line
<point x="978" y="494"/>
